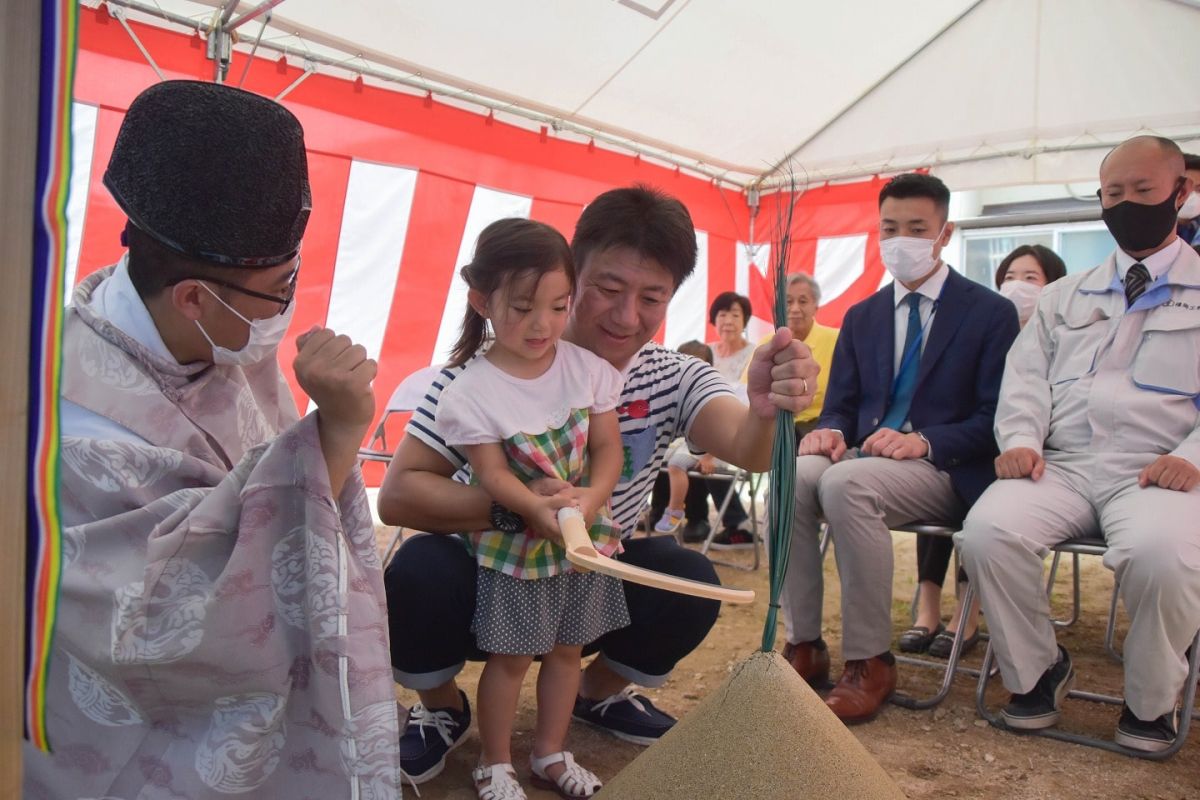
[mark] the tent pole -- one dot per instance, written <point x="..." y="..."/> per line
<point x="119" y="16"/>
<point x="227" y="13"/>
<point x="250" y="58"/>
<point x="308" y="70"/>
<point x="19" y="47"/>
<point x="254" y="13"/>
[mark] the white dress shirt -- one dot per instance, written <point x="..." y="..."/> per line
<point x="929" y="291"/>
<point x="1156" y="264"/>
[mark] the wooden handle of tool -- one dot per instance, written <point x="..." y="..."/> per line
<point x="582" y="553"/>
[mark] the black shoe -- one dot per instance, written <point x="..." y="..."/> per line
<point x="943" y="643"/>
<point x="695" y="531"/>
<point x="1041" y="707"/>
<point x="918" y="638"/>
<point x="1148" y="737"/>
<point x="733" y="539"/>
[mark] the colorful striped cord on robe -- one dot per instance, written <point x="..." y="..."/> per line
<point x="44" y="541"/>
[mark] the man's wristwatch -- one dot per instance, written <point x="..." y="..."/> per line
<point x="506" y="521"/>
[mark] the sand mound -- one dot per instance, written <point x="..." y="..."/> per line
<point x="763" y="734"/>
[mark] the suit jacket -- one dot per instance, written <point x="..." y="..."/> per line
<point x="958" y="382"/>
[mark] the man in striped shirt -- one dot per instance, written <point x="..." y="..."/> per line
<point x="633" y="248"/>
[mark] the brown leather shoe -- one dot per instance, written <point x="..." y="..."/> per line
<point x="864" y="687"/>
<point x="810" y="660"/>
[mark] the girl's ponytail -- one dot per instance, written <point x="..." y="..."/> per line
<point x="473" y="332"/>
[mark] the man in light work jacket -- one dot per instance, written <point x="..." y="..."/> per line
<point x="1097" y="424"/>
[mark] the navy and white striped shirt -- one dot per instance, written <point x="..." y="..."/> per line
<point x="663" y="394"/>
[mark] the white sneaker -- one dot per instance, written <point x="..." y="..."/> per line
<point x="669" y="522"/>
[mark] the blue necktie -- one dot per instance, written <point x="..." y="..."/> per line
<point x="906" y="381"/>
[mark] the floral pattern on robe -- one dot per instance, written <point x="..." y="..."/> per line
<point x="222" y="625"/>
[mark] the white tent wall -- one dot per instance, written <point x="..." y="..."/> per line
<point x="1021" y="75"/>
<point x="985" y="92"/>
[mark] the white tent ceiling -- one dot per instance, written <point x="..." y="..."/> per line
<point x="986" y="92"/>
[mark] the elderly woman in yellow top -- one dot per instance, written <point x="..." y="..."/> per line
<point x="803" y="300"/>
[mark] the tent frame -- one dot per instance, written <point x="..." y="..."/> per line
<point x="390" y="70"/>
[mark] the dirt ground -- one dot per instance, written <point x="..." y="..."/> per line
<point x="946" y="752"/>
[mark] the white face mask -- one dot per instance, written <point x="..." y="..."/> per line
<point x="1190" y="208"/>
<point x="908" y="257"/>
<point x="1024" y="296"/>
<point x="265" y="336"/>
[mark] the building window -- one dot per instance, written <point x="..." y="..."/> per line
<point x="1081" y="245"/>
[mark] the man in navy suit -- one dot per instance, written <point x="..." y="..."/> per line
<point x="905" y="435"/>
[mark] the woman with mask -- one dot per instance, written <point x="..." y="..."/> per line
<point x="1022" y="274"/>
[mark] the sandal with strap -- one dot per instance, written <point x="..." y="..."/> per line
<point x="502" y="782"/>
<point x="574" y="782"/>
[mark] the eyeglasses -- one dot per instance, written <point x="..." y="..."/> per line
<point x="283" y="302"/>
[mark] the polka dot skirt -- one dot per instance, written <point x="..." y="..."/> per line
<point x="529" y="617"/>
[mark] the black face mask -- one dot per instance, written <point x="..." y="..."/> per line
<point x="1137" y="227"/>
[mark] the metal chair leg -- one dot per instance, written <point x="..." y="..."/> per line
<point x="753" y="482"/>
<point x="1075" y="589"/>
<point x="707" y="545"/>
<point x="392" y="546"/>
<point x="952" y="667"/>
<point x="1187" y="709"/>
<point x="1110" y="632"/>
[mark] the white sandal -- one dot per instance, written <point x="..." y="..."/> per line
<point x="575" y="782"/>
<point x="502" y="782"/>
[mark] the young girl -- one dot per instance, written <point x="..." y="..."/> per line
<point x="533" y="407"/>
<point x="680" y="458"/>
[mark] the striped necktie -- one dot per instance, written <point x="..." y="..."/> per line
<point x="1136" y="280"/>
<point x="905" y="385"/>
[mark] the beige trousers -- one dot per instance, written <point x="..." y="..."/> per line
<point x="1153" y="536"/>
<point x="860" y="498"/>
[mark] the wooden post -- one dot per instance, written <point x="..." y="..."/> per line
<point x="19" y="51"/>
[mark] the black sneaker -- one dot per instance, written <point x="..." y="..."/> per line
<point x="627" y="716"/>
<point x="429" y="736"/>
<point x="1041" y="707"/>
<point x="1148" y="737"/>
<point x="695" y="531"/>
<point x="733" y="539"/>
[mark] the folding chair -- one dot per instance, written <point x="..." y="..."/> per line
<point x="407" y="396"/>
<point x="1093" y="547"/>
<point x="738" y="479"/>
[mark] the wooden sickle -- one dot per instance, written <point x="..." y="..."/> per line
<point x="582" y="554"/>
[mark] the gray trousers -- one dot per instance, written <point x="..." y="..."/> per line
<point x="860" y="498"/>
<point x="1153" y="538"/>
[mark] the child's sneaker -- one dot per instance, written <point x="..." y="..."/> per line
<point x="670" y="521"/>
